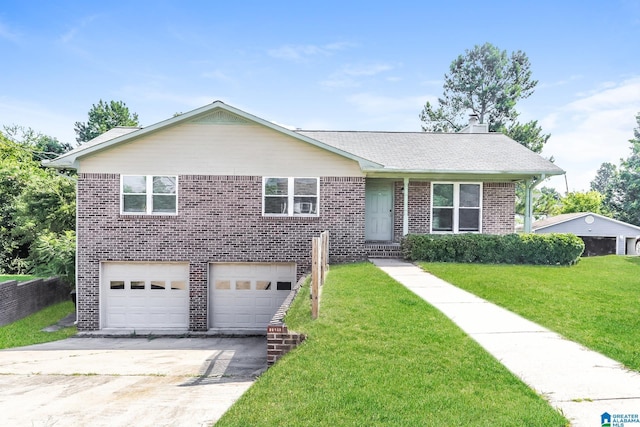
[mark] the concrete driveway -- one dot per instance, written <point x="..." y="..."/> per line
<point x="127" y="381"/>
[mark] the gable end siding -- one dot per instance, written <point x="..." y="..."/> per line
<point x="219" y="220"/>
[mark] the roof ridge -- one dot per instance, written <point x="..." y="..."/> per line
<point x="396" y="132"/>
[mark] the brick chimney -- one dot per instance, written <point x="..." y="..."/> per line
<point x="475" y="126"/>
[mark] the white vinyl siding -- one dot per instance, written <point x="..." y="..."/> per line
<point x="211" y="149"/>
<point x="290" y="196"/>
<point x="148" y="195"/>
<point x="456" y="207"/>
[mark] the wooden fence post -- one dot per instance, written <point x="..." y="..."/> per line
<point x="315" y="275"/>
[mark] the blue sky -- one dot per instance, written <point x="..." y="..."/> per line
<point x="323" y="64"/>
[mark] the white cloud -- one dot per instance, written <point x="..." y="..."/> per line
<point x="592" y="130"/>
<point x="7" y="33"/>
<point x="546" y="85"/>
<point x="303" y="52"/>
<point x="348" y="74"/>
<point x="389" y="113"/>
<point x="365" y="70"/>
<point x="438" y="83"/>
<point x="217" y="75"/>
<point x="70" y="35"/>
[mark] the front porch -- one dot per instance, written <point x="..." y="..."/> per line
<point x="383" y="250"/>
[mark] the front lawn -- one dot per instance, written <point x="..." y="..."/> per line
<point x="596" y="302"/>
<point x="380" y="355"/>
<point x="27" y="331"/>
<point x="17" y="277"/>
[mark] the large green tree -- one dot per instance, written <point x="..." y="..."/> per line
<point x="623" y="192"/>
<point x="34" y="202"/>
<point x="103" y="117"/>
<point x="606" y="175"/>
<point x="485" y="81"/>
<point x="488" y="82"/>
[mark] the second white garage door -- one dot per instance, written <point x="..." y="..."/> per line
<point x="247" y="295"/>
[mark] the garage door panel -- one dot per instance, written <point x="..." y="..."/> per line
<point x="246" y="295"/>
<point x="141" y="295"/>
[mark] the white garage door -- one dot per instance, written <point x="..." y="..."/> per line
<point x="145" y="295"/>
<point x="248" y="295"/>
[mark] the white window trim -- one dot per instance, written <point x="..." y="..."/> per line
<point x="291" y="196"/>
<point x="456" y="208"/>
<point x="149" y="194"/>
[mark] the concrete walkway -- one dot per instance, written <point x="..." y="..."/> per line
<point x="581" y="383"/>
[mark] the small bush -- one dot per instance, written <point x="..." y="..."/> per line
<point x="55" y="255"/>
<point x="537" y="249"/>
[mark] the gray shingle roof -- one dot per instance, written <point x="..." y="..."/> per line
<point x="439" y="152"/>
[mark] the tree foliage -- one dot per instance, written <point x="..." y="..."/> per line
<point x="528" y="134"/>
<point x="622" y="189"/>
<point x="485" y="81"/>
<point x="43" y="147"/>
<point x="590" y="201"/>
<point x="103" y="117"/>
<point x="545" y="201"/>
<point x="33" y="201"/>
<point x="606" y="175"/>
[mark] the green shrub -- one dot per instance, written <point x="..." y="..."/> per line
<point x="55" y="255"/>
<point x="538" y="249"/>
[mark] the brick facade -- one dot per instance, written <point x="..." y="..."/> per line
<point x="219" y="220"/>
<point x="498" y="207"/>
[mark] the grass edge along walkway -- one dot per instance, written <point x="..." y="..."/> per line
<point x="380" y="355"/>
<point x="594" y="302"/>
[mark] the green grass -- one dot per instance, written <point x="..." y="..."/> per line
<point x="596" y="302"/>
<point x="27" y="331"/>
<point x="18" y="277"/>
<point x="380" y="356"/>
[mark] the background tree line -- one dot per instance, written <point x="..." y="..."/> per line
<point x="489" y="82"/>
<point x="38" y="204"/>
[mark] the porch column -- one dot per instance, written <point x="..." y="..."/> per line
<point x="528" y="208"/>
<point x="405" y="210"/>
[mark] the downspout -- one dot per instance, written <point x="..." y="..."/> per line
<point x="405" y="209"/>
<point x="529" y="185"/>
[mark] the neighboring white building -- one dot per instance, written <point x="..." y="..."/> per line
<point x="601" y="235"/>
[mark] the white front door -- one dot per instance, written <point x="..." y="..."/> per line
<point x="379" y="211"/>
<point x="247" y="295"/>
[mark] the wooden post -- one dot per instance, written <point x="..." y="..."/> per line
<point x="325" y="255"/>
<point x="315" y="276"/>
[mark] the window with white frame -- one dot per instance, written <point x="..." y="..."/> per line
<point x="456" y="207"/>
<point x="290" y="196"/>
<point x="149" y="194"/>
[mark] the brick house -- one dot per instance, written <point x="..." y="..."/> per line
<point x="204" y="221"/>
